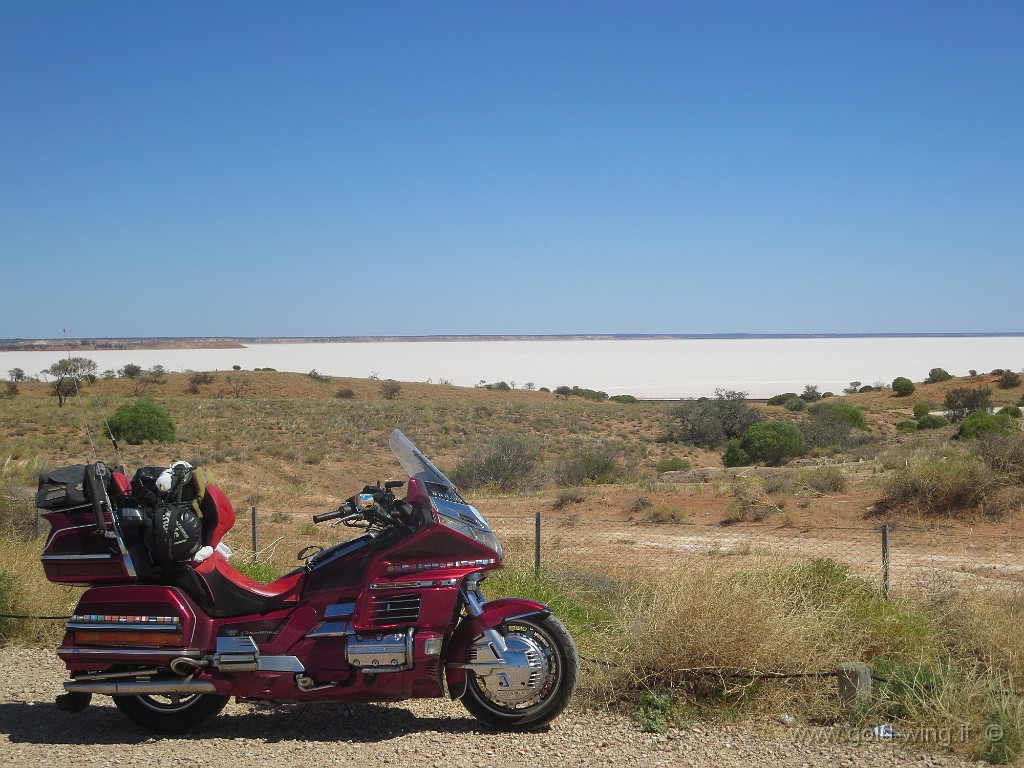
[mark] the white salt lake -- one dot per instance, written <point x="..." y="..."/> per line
<point x="646" y="368"/>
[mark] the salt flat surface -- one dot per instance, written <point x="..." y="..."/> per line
<point x="646" y="368"/>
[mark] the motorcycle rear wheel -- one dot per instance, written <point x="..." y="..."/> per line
<point x="170" y="713"/>
<point x="560" y="673"/>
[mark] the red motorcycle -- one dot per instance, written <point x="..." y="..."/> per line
<point x="394" y="613"/>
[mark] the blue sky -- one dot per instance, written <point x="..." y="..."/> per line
<point x="339" y="168"/>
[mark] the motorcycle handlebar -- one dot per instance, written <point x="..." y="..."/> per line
<point x="341" y="511"/>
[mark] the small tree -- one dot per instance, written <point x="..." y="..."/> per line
<point x="853" y="388"/>
<point x="962" y="401"/>
<point x="772" y="442"/>
<point x="902" y="386"/>
<point x="935" y="375"/>
<point x="239" y="383"/>
<point x="389" y="389"/>
<point x="130" y="371"/>
<point x="69" y="374"/>
<point x="140" y="420"/>
<point x="563" y="392"/>
<point x="17" y="375"/>
<point x="146" y="379"/>
<point x="811" y="393"/>
<point x="1009" y="380"/>
<point x="734" y="455"/>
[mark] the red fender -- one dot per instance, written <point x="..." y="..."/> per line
<point x="496" y="612"/>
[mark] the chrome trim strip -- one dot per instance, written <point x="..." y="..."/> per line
<point x="279" y="664"/>
<point x="339" y="610"/>
<point x="46" y="558"/>
<point x="142" y="688"/>
<point x="330" y="629"/>
<point x="170" y="652"/>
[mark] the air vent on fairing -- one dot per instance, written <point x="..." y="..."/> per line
<point x="386" y="610"/>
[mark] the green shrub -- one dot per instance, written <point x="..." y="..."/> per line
<point x="782" y="399"/>
<point x="345" y="393"/>
<point x="981" y="423"/>
<point x="824" y="480"/>
<point x="589" y="394"/>
<point x="772" y="442"/>
<point x="140" y="420"/>
<point x="708" y="423"/>
<point x="795" y="404"/>
<point x="672" y="464"/>
<point x="627" y="399"/>
<point x="1009" y="380"/>
<point x="907" y="426"/>
<point x="587" y="465"/>
<point x="507" y="462"/>
<point x="938" y="485"/>
<point x="930" y="421"/>
<point x="810" y="393"/>
<point x="902" y="386"/>
<point x="389" y="389"/>
<point x="866" y="388"/>
<point x="935" y="375"/>
<point x="1011" y="410"/>
<point x="922" y="409"/>
<point x="838" y="411"/>
<point x="734" y="455"/>
<point x="820" y="434"/>
<point x="962" y="401"/>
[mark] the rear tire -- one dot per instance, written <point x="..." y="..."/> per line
<point x="170" y="713"/>
<point x="559" y="674"/>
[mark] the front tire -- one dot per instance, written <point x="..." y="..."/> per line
<point x="528" y="707"/>
<point x="171" y="713"/>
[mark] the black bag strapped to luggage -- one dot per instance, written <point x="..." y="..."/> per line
<point x="174" y="535"/>
<point x="62" y="488"/>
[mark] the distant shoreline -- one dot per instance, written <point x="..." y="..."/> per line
<point x="237" y="342"/>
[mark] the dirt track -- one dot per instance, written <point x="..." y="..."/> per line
<point x="422" y="733"/>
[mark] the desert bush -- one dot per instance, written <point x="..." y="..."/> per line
<point x="795" y="404"/>
<point x="140" y="420"/>
<point x="932" y="421"/>
<point x="961" y="401"/>
<point x="906" y="426"/>
<point x="734" y="455"/>
<point x="902" y="386"/>
<point x="810" y="393"/>
<point x="825" y="434"/>
<point x="345" y="393"/>
<point x="837" y="411"/>
<point x="708" y="423"/>
<point x="772" y="442"/>
<point x="589" y="394"/>
<point x="824" y="480"/>
<point x="866" y="388"/>
<point x="1008" y="380"/>
<point x="1004" y="455"/>
<point x="922" y="409"/>
<point x="1011" y="410"/>
<point x="783" y="398"/>
<point x="938" y="485"/>
<point x="588" y="465"/>
<point x="981" y="423"/>
<point x="389" y="389"/>
<point x="672" y="464"/>
<point x="936" y="375"/>
<point x="508" y="462"/>
<point x="625" y="399"/>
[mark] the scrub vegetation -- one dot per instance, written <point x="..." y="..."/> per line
<point x="691" y="644"/>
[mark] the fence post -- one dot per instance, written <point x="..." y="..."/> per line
<point x="536" y="545"/>
<point x="255" y="533"/>
<point x="885" y="560"/>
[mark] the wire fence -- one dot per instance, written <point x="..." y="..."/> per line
<point x="897" y="558"/>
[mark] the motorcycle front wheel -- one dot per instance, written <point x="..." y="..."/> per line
<point x="171" y="713"/>
<point x="528" y="706"/>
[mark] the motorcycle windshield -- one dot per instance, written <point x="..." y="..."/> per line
<point x="443" y="493"/>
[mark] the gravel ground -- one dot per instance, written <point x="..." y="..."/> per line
<point x="429" y="733"/>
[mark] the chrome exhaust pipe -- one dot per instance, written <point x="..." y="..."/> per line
<point x="141" y="688"/>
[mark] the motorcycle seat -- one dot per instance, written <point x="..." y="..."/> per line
<point x="232" y="593"/>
